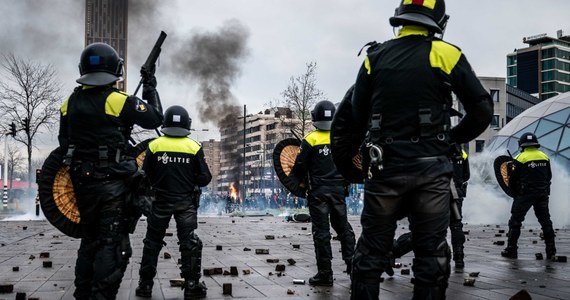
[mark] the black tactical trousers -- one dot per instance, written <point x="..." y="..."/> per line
<point x="456" y="227"/>
<point x="521" y="205"/>
<point x="186" y="218"/>
<point x="104" y="253"/>
<point x="386" y="200"/>
<point x="327" y="208"/>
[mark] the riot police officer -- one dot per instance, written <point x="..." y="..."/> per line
<point x="402" y="99"/>
<point x="96" y="122"/>
<point x="326" y="194"/>
<point x="530" y="183"/>
<point x="176" y="169"/>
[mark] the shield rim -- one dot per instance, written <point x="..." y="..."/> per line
<point x="288" y="181"/>
<point x="497" y="164"/>
<point x="46" y="191"/>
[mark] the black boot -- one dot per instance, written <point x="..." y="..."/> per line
<point x="550" y="250"/>
<point x="194" y="289"/>
<point x="348" y="266"/>
<point x="510" y="252"/>
<point x="144" y="289"/>
<point x="458" y="257"/>
<point x="323" y="278"/>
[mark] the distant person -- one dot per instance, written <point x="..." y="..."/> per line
<point x="326" y="194"/>
<point x="401" y="103"/>
<point x="177" y="170"/>
<point x="530" y="182"/>
<point x="94" y="131"/>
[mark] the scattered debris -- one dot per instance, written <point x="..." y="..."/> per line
<point x="261" y="251"/>
<point x="296" y="246"/>
<point x="246" y="249"/>
<point x="44" y="255"/>
<point x="177" y="282"/>
<point x="290" y="292"/>
<point x="20" y="296"/>
<point x="226" y="272"/>
<point x="474" y="274"/>
<point x="269" y="237"/>
<point x="169" y="234"/>
<point x="291" y="261"/>
<point x="469" y="281"/>
<point x="15" y="269"/>
<point x="272" y="260"/>
<point x="499" y="243"/>
<point x="47" y="264"/>
<point x="32" y="256"/>
<point x="303" y="228"/>
<point x="167" y="255"/>
<point x="535" y="242"/>
<point x="405" y="271"/>
<point x="498" y="235"/>
<point x="25" y="227"/>
<point x="501" y="231"/>
<point x="227" y="288"/>
<point x="538" y="256"/>
<point x="521" y="295"/>
<point x="559" y="258"/>
<point x="280" y="268"/>
<point x="219" y="247"/>
<point x="234" y="271"/>
<point x="298" y="281"/>
<point x="6" y="288"/>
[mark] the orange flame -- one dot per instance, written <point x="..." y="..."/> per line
<point x="234" y="193"/>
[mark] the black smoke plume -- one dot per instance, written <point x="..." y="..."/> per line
<point x="213" y="60"/>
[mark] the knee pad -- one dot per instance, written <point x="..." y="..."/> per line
<point x="432" y="268"/>
<point x="193" y="244"/>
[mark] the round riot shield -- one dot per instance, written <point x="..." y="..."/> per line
<point x="284" y="156"/>
<point x="502" y="166"/>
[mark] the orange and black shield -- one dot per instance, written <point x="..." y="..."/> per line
<point x="284" y="156"/>
<point x="502" y="166"/>
<point x="56" y="194"/>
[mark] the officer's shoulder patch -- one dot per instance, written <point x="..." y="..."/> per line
<point x="140" y="106"/>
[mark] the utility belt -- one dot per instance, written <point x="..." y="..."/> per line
<point x="373" y="153"/>
<point x="105" y="167"/>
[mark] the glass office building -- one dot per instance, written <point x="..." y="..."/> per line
<point x="543" y="68"/>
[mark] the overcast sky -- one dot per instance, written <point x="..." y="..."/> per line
<point x="279" y="38"/>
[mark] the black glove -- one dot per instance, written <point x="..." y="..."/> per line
<point x="147" y="76"/>
<point x="149" y="82"/>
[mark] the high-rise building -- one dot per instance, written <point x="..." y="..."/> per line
<point x="543" y="68"/>
<point x="212" y="155"/>
<point x="106" y="21"/>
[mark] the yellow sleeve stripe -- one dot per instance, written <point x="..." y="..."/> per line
<point x="367" y="65"/>
<point x="444" y="56"/>
<point x="318" y="137"/>
<point x="114" y="104"/>
<point x="63" y="108"/>
<point x="174" y="144"/>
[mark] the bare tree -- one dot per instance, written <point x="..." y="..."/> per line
<point x="30" y="95"/>
<point x="301" y="95"/>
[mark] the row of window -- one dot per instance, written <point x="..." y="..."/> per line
<point x="555" y="75"/>
<point x="553" y="63"/>
<point x="554" y="86"/>
<point x="555" y="52"/>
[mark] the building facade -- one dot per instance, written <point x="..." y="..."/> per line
<point x="543" y="68"/>
<point x="247" y="148"/>
<point x="106" y="21"/>
<point x="508" y="102"/>
<point x="212" y="154"/>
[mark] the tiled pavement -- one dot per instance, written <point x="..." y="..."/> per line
<point x="22" y="242"/>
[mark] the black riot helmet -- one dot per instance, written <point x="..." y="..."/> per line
<point x="176" y="122"/>
<point x="428" y="13"/>
<point x="323" y="114"/>
<point x="528" y="140"/>
<point x="99" y="65"/>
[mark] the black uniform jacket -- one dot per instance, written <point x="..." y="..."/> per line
<point x="315" y="159"/>
<point x="408" y="81"/>
<point x="176" y="166"/>
<point x="532" y="173"/>
<point x="102" y="116"/>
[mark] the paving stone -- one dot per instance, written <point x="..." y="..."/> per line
<point x="498" y="278"/>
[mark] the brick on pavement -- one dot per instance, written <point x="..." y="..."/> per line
<point x="499" y="278"/>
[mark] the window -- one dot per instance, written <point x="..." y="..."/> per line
<point x="479" y="145"/>
<point x="495" y="121"/>
<point x="494" y="95"/>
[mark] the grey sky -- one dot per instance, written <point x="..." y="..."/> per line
<point x="283" y="36"/>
